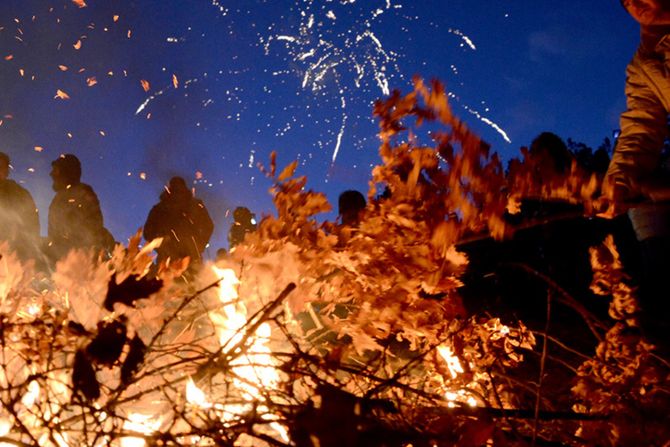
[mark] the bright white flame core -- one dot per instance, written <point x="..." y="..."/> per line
<point x="139" y="423"/>
<point x="453" y="363"/>
<point x="254" y="370"/>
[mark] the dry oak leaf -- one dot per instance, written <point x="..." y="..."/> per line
<point x="133" y="360"/>
<point x="108" y="344"/>
<point x="130" y="289"/>
<point x="83" y="377"/>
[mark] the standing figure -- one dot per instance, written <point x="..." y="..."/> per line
<point x="182" y="221"/>
<point x="75" y="218"/>
<point x="351" y="206"/>
<point x="636" y="173"/>
<point x="244" y="223"/>
<point x="19" y="220"/>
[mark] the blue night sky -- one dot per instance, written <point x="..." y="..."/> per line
<point x="295" y="76"/>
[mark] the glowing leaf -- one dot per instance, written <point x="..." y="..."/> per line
<point x="116" y="18"/>
<point x="145" y="85"/>
<point x="77" y="45"/>
<point x="91" y="81"/>
<point x="60" y="94"/>
<point x="62" y="68"/>
<point x="288" y="171"/>
<point x="9" y="57"/>
<point x="175" y="81"/>
<point x="80" y="3"/>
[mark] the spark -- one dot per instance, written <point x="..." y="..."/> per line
<point x="325" y="57"/>
<point x="465" y="38"/>
<point x="490" y="123"/>
<point x="341" y="133"/>
<point x="222" y="9"/>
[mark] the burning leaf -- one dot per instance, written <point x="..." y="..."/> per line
<point x="62" y="68"/>
<point x="132" y="288"/>
<point x="175" y="81"/>
<point x="83" y="377"/>
<point x="134" y="359"/>
<point x="91" y="81"/>
<point x="60" y="94"/>
<point x="145" y="85"/>
<point x="77" y="45"/>
<point x="80" y="3"/>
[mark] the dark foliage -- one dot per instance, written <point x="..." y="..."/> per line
<point x="130" y="289"/>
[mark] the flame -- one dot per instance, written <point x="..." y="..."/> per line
<point x="453" y="363"/>
<point x="195" y="396"/>
<point x="455" y="368"/>
<point x="255" y="370"/>
<point x="31" y="396"/>
<point x="139" y="423"/>
<point x="5" y="427"/>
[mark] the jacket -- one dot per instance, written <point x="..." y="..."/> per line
<point x="184" y="224"/>
<point x="75" y="221"/>
<point x="644" y="125"/>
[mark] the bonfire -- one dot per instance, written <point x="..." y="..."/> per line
<point x="318" y="334"/>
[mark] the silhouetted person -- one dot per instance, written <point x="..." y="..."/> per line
<point x="75" y="218"/>
<point x="182" y="221"/>
<point x="19" y="220"/>
<point x="351" y="205"/>
<point x="243" y="223"/>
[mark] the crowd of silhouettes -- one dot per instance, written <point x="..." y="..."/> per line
<point x="75" y="219"/>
